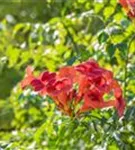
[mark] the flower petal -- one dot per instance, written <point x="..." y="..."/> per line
<point x="28" y="77"/>
<point x="37" y="84"/>
<point x="46" y="76"/>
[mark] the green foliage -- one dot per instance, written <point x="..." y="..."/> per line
<point x="48" y="35"/>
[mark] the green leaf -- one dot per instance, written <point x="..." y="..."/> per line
<point x="102" y="38"/>
<point x="71" y="60"/>
<point x="111" y="48"/>
<point x="123" y="49"/>
<point x="108" y="11"/>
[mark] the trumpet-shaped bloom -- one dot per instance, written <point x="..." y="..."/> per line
<point x="129" y="6"/>
<point x="85" y="85"/>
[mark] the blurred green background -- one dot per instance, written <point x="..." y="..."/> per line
<point x="49" y="34"/>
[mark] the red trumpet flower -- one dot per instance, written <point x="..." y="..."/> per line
<point x="85" y="84"/>
<point x="29" y="77"/>
<point x="129" y="6"/>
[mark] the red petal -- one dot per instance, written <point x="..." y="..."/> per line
<point x="63" y="85"/>
<point x="81" y="68"/>
<point x="131" y="14"/>
<point x="120" y="106"/>
<point x="29" y="77"/>
<point x="124" y="3"/>
<point x="67" y="72"/>
<point x="129" y="6"/>
<point x="92" y="63"/>
<point x="37" y="85"/>
<point x="83" y="85"/>
<point x="59" y="86"/>
<point x="29" y="70"/>
<point x="26" y="82"/>
<point x="46" y="76"/>
<point x="43" y="92"/>
<point x="62" y="98"/>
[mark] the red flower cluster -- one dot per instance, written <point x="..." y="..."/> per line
<point x="129" y="6"/>
<point x="77" y="89"/>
